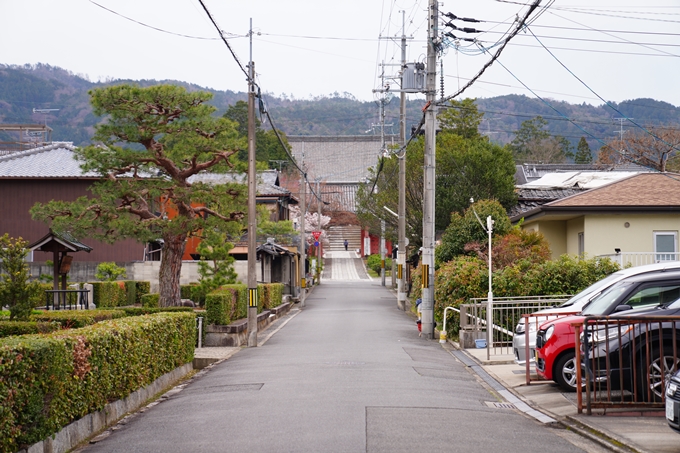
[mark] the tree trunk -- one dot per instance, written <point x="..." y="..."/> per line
<point x="171" y="266"/>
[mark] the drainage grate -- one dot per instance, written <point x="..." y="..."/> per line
<point x="345" y="363"/>
<point x="497" y="405"/>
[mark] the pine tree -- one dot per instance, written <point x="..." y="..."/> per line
<point x="583" y="154"/>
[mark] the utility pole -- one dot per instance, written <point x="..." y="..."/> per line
<point x="427" y="266"/>
<point x="252" y="211"/>
<point x="401" y="246"/>
<point x="382" y="251"/>
<point x="303" y="238"/>
<point x="318" y="249"/>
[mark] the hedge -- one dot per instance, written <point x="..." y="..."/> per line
<point x="374" y="262"/>
<point x="141" y="288"/>
<point x="48" y="381"/>
<point x="138" y="311"/>
<point x="150" y="300"/>
<point x="230" y="302"/>
<point x="74" y="319"/>
<point x="8" y="328"/>
<point x="108" y="294"/>
<point x="193" y="292"/>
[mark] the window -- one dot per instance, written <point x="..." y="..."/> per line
<point x="665" y="245"/>
<point x="581" y="244"/>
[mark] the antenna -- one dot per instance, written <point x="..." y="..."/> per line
<point x="45" y="112"/>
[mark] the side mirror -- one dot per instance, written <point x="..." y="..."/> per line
<point x="623" y="307"/>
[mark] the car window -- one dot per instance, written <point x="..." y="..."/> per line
<point x="654" y="295"/>
<point x="589" y="291"/>
<point x="601" y="304"/>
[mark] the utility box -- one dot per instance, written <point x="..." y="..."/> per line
<point x="413" y="78"/>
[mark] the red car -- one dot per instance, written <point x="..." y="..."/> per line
<point x="555" y="339"/>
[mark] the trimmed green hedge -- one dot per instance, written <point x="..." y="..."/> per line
<point x="142" y="288"/>
<point x="8" y="328"/>
<point x="230" y="302"/>
<point x="48" y="381"/>
<point x="74" y="319"/>
<point x="193" y="292"/>
<point x="151" y="300"/>
<point x="138" y="311"/>
<point x="108" y="294"/>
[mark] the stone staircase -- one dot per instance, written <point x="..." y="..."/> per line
<point x="338" y="234"/>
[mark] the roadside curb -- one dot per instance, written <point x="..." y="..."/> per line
<point x="601" y="437"/>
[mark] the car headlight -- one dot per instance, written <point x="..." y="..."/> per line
<point x="520" y="329"/>
<point x="549" y="332"/>
<point x="672" y="388"/>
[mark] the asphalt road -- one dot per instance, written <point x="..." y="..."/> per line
<point x="348" y="373"/>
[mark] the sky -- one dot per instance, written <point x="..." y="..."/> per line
<point x="601" y="49"/>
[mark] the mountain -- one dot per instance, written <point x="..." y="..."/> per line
<point x="23" y="88"/>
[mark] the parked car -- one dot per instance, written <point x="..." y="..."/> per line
<point x="555" y="341"/>
<point x="673" y="402"/>
<point x="638" y="356"/>
<point x="575" y="305"/>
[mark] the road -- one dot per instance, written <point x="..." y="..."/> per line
<point x="347" y="373"/>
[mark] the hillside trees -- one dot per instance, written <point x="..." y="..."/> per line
<point x="533" y="143"/>
<point x="468" y="165"/>
<point x="268" y="149"/>
<point x="656" y="151"/>
<point x="152" y="143"/>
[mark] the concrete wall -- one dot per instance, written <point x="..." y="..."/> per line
<point x="555" y="233"/>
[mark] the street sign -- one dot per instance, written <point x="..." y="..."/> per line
<point x="316" y="234"/>
<point x="316" y="243"/>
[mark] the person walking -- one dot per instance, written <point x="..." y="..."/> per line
<point x="346" y="244"/>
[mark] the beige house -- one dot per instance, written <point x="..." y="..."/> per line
<point x="635" y="220"/>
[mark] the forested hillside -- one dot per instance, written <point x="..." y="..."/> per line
<point x="42" y="86"/>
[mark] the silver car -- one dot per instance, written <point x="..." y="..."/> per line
<point x="575" y="305"/>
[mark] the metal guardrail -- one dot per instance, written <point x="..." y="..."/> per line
<point x="626" y="362"/>
<point x="634" y="259"/>
<point x="507" y="311"/>
<point x="70" y="299"/>
<point x="535" y="320"/>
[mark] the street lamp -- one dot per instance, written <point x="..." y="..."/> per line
<point x="489" y="305"/>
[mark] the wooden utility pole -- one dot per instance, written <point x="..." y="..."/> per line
<point x="252" y="210"/>
<point x="401" y="247"/>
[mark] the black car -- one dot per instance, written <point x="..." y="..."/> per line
<point x="673" y="402"/>
<point x="637" y="351"/>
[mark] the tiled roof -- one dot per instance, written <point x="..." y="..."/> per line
<point x="576" y="179"/>
<point x="267" y="181"/>
<point x="641" y="190"/>
<point x="56" y="160"/>
<point x="529" y="199"/>
<point x="337" y="159"/>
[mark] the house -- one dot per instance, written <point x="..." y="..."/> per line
<point x="47" y="173"/>
<point x="634" y="219"/>
<point x="52" y="173"/>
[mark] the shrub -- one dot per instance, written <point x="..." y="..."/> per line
<point x="109" y="272"/>
<point x="48" y="381"/>
<point x="374" y="261"/>
<point x="8" y="328"/>
<point x="130" y="292"/>
<point x="108" y="294"/>
<point x="15" y="290"/>
<point x="139" y="311"/>
<point x="151" y="300"/>
<point x="72" y="319"/>
<point x="141" y="289"/>
<point x="223" y="305"/>
<point x="194" y="292"/>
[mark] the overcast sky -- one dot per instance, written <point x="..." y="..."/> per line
<point x="621" y="49"/>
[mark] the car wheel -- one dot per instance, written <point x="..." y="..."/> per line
<point x="652" y="379"/>
<point x="564" y="372"/>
